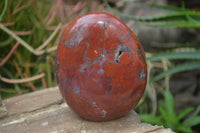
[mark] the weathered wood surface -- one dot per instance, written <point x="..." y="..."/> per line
<point x="45" y="112"/>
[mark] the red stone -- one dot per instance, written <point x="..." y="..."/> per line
<point x="100" y="67"/>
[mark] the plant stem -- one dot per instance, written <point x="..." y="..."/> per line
<point x="9" y="54"/>
<point x="50" y="38"/>
<point x="22" y="42"/>
<point x="4" y="9"/>
<point x="48" y="71"/>
<point x="43" y="80"/>
<point x="164" y="61"/>
<point x="31" y="84"/>
<point x="16" y="81"/>
<point x="26" y="45"/>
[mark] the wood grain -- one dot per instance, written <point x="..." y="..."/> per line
<point x="45" y="112"/>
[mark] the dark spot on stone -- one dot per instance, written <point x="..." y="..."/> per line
<point x="76" y="90"/>
<point x="118" y="84"/>
<point x="108" y="91"/>
<point x="57" y="61"/>
<point x="120" y="51"/>
<point x="118" y="56"/>
<point x="137" y="100"/>
<point x="81" y="70"/>
<point x="101" y="71"/>
<point x="57" y="64"/>
<point x="142" y="74"/>
<point x="127" y="35"/>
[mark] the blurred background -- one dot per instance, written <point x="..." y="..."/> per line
<point x="168" y="30"/>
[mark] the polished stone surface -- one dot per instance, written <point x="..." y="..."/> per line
<point x="100" y="67"/>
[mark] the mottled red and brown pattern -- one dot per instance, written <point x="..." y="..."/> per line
<point x="100" y="67"/>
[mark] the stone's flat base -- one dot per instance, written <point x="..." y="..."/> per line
<point x="45" y="112"/>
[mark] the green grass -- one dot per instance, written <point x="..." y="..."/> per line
<point x="25" y="27"/>
<point x="168" y="117"/>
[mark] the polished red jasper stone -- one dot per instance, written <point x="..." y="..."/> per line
<point x="100" y="67"/>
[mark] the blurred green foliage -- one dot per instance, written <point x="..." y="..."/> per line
<point x="29" y="34"/>
<point x="24" y="19"/>
<point x="169" y="118"/>
<point x="37" y="26"/>
<point x="189" y="60"/>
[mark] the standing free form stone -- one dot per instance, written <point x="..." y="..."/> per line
<point x="100" y="67"/>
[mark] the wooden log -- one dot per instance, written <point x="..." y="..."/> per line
<point x="45" y="112"/>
